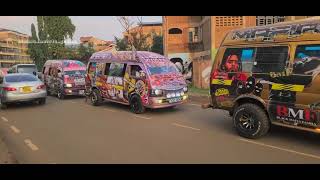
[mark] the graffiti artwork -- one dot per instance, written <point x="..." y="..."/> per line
<point x="268" y="33"/>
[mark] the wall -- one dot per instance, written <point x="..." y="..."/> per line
<point x="201" y="73"/>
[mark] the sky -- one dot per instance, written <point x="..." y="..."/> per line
<point x="102" y="27"/>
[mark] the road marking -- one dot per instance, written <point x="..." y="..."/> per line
<point x="111" y="110"/>
<point x="73" y="102"/>
<point x="31" y="145"/>
<point x="4" y="119"/>
<point x="279" y="148"/>
<point x="194" y="104"/>
<point x="142" y="117"/>
<point x="14" y="129"/>
<point x="180" y="125"/>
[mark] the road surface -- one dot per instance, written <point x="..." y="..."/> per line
<point x="73" y="131"/>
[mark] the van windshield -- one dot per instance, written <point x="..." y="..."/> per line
<point x="27" y="69"/>
<point x="163" y="68"/>
<point x="75" y="72"/>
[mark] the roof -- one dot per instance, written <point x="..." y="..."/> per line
<point x="8" y="30"/>
<point x="151" y="24"/>
<point x="127" y="56"/>
<point x="305" y="29"/>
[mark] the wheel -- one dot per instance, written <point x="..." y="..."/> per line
<point x="136" y="105"/>
<point x="42" y="101"/>
<point x="96" y="98"/>
<point x="251" y="121"/>
<point x="2" y="104"/>
<point x="60" y="94"/>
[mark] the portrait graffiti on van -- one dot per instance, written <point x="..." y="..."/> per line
<point x="279" y="79"/>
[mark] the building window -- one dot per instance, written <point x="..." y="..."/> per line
<point x="225" y="21"/>
<point x="175" y="31"/>
<point x="266" y="20"/>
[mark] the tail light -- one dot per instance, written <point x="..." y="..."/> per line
<point x="9" y="89"/>
<point x="42" y="86"/>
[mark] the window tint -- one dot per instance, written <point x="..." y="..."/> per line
<point x="107" y="69"/>
<point x="117" y="69"/>
<point x="270" y="59"/>
<point x="92" y="68"/>
<point x="21" y="78"/>
<point x="135" y="70"/>
<point x="238" y="59"/>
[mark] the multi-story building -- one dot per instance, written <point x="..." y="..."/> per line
<point x="98" y="44"/>
<point x="13" y="48"/>
<point x="147" y="29"/>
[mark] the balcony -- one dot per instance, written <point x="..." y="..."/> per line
<point x="196" y="46"/>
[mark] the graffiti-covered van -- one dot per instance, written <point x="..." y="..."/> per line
<point x="269" y="75"/>
<point x="139" y="79"/>
<point x="64" y="77"/>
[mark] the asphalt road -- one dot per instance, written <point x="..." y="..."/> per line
<point x="73" y="131"/>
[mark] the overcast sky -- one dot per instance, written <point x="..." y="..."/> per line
<point x="103" y="27"/>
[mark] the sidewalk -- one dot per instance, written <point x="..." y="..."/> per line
<point x="5" y="156"/>
<point x="200" y="96"/>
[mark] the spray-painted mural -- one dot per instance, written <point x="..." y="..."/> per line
<point x="288" y="88"/>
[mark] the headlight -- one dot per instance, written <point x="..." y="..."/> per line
<point x="157" y="92"/>
<point x="182" y="93"/>
<point x="185" y="89"/>
<point x="177" y="94"/>
<point x="169" y="95"/>
<point x="68" y="85"/>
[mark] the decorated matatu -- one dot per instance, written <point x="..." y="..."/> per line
<point x="64" y="77"/>
<point x="269" y="75"/>
<point x="139" y="79"/>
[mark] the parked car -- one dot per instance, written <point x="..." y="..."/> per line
<point x="269" y="75"/>
<point x="21" y="87"/>
<point x="64" y="77"/>
<point x="145" y="80"/>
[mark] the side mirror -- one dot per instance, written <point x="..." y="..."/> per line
<point x="142" y="74"/>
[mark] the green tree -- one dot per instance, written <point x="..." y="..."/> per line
<point x="85" y="52"/>
<point x="52" y="32"/>
<point x="157" y="44"/>
<point x="121" y="44"/>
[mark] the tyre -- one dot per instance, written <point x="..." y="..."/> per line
<point x="42" y="101"/>
<point x="60" y="95"/>
<point x="2" y="104"/>
<point x="96" y="98"/>
<point x="251" y="121"/>
<point x="136" y="105"/>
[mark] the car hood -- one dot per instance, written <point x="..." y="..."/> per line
<point x="167" y="81"/>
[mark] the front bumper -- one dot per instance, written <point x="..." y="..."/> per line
<point x="11" y="97"/>
<point x="162" y="102"/>
<point x="74" y="91"/>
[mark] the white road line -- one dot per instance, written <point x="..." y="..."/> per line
<point x="110" y="110"/>
<point x="31" y="145"/>
<point x="282" y="149"/>
<point x="14" y="129"/>
<point x="180" y="125"/>
<point x="142" y="117"/>
<point x="194" y="104"/>
<point x="4" y="119"/>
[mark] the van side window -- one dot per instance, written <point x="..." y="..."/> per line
<point x="117" y="69"/>
<point x="270" y="59"/>
<point x="100" y="68"/>
<point x="238" y="59"/>
<point x="307" y="59"/>
<point x="107" y="69"/>
<point x="92" y="68"/>
<point x="135" y="71"/>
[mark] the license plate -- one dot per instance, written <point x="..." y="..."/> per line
<point x="81" y="92"/>
<point x="79" y="82"/>
<point x="174" y="100"/>
<point x="26" y="89"/>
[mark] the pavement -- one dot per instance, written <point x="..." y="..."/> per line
<point x="73" y="131"/>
